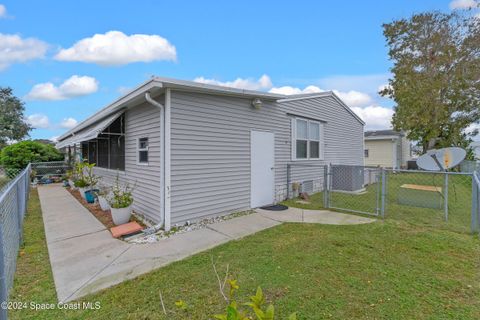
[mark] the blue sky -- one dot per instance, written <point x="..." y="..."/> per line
<point x="280" y="46"/>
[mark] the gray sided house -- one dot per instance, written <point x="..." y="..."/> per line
<point x="194" y="151"/>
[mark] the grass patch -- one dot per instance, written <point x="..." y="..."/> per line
<point x="391" y="269"/>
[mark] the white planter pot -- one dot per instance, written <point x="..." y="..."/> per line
<point x="82" y="192"/>
<point x="103" y="203"/>
<point x="121" y="215"/>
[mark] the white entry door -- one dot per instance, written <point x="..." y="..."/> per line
<point x="262" y="153"/>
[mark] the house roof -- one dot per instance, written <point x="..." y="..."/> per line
<point x="382" y="134"/>
<point x="156" y="84"/>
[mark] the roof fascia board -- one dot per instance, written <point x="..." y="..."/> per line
<point x="382" y="138"/>
<point x="117" y="104"/>
<point x="210" y="88"/>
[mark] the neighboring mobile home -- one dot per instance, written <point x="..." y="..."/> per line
<point x="387" y="148"/>
<point x="196" y="150"/>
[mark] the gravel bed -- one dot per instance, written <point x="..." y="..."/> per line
<point x="176" y="229"/>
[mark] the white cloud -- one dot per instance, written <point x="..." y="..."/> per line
<point x="14" y="49"/>
<point x="375" y="117"/>
<point x="38" y="121"/>
<point x="54" y="138"/>
<point x="74" y="86"/>
<point x="117" y="48"/>
<point x="363" y="83"/>
<point x="68" y="123"/>
<point x="124" y="90"/>
<point x="463" y="4"/>
<point x="288" y="90"/>
<point x="351" y="98"/>
<point x="263" y="82"/>
<point x="3" y="11"/>
<point x="354" y="98"/>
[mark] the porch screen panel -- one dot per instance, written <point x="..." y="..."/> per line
<point x="117" y="152"/>
<point x="102" y="160"/>
<point x="84" y="151"/>
<point x="92" y="152"/>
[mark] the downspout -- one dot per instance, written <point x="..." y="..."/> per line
<point x="164" y="155"/>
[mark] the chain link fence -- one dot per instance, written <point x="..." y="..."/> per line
<point x="49" y="172"/>
<point x="354" y="189"/>
<point x="13" y="205"/>
<point x="6" y="175"/>
<point x="447" y="200"/>
<point x="439" y="199"/>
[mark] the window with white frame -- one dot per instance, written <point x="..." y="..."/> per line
<point x="143" y="150"/>
<point x="306" y="139"/>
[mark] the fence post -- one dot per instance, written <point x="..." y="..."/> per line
<point x="3" y="280"/>
<point x="445" y="196"/>
<point x="288" y="180"/>
<point x="378" y="191"/>
<point x="19" y="209"/>
<point x="325" y="186"/>
<point x="474" y="221"/>
<point x="384" y="190"/>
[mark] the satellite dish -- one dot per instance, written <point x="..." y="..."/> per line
<point x="442" y="159"/>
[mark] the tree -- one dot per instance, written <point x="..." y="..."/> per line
<point x="12" y="126"/>
<point x="436" y="77"/>
<point x="18" y="155"/>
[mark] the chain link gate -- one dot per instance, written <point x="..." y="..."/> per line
<point x="355" y="189"/>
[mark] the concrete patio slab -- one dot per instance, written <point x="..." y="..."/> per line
<point x="314" y="216"/>
<point x="289" y="215"/>
<point x="243" y="226"/>
<point x="86" y="258"/>
<point x="329" y="217"/>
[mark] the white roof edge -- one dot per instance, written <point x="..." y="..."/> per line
<point x="382" y="137"/>
<point x="160" y="82"/>
<point x="303" y="96"/>
<point x="321" y="95"/>
<point x="187" y="84"/>
<point x="107" y="110"/>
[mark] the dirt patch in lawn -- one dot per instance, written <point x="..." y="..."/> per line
<point x="105" y="217"/>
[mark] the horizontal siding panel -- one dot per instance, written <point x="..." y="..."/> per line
<point x="210" y="148"/>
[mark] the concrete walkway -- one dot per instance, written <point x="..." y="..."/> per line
<point x="85" y="258"/>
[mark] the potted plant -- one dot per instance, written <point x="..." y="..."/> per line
<point x="70" y="175"/>
<point x="102" y="195"/>
<point x="81" y="185"/>
<point x="91" y="179"/>
<point x="120" y="202"/>
<point x="65" y="181"/>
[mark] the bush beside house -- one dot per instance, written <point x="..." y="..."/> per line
<point x="18" y="155"/>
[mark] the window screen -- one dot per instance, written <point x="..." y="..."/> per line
<point x="307" y="139"/>
<point x="143" y="150"/>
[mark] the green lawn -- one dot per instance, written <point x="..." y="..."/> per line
<point x="392" y="269"/>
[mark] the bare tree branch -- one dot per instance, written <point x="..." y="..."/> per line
<point x="220" y="286"/>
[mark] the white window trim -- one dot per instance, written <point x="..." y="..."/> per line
<point x="320" y="141"/>
<point x="143" y="149"/>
